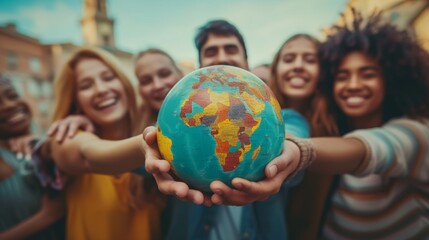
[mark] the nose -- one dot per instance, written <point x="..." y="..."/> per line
<point x="354" y="82"/>
<point x="100" y="86"/>
<point x="157" y="83"/>
<point x="222" y="57"/>
<point x="298" y="64"/>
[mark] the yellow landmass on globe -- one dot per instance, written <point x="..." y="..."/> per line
<point x="231" y="128"/>
<point x="165" y="144"/>
<point x="256" y="152"/>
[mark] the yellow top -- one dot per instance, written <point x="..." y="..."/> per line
<point x="97" y="209"/>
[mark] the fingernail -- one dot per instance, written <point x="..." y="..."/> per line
<point x="218" y="192"/>
<point x="273" y="170"/>
<point x="239" y="185"/>
<point x="19" y="156"/>
<point x="28" y="157"/>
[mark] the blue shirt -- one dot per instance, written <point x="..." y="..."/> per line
<point x="258" y="220"/>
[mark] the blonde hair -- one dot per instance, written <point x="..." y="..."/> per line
<point x="65" y="90"/>
<point x="65" y="85"/>
<point x="149" y="115"/>
<point x="322" y="123"/>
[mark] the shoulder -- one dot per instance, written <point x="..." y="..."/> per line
<point x="295" y="123"/>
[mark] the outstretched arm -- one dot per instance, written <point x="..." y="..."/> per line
<point x="331" y="154"/>
<point x="88" y="153"/>
<point x="337" y="155"/>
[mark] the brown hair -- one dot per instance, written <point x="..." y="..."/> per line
<point x="321" y="122"/>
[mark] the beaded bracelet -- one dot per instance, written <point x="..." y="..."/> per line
<point x="307" y="153"/>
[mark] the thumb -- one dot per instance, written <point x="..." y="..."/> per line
<point x="277" y="165"/>
<point x="149" y="135"/>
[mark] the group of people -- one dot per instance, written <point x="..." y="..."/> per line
<point x="355" y="163"/>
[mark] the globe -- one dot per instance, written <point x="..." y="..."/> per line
<point x="218" y="123"/>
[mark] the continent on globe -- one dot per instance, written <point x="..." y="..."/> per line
<point x="218" y="123"/>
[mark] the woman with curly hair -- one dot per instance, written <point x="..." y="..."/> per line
<point x="376" y="78"/>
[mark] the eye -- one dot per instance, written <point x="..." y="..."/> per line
<point x="108" y="76"/>
<point x="288" y="58"/>
<point x="145" y="80"/>
<point x="341" y="77"/>
<point x="231" y="49"/>
<point x="163" y="73"/>
<point x="85" y="85"/>
<point x="369" y="74"/>
<point x="12" y="95"/>
<point x="310" y="58"/>
<point x="210" y="52"/>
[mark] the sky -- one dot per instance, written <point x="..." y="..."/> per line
<point x="171" y="24"/>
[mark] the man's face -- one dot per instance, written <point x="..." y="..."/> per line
<point x="223" y="50"/>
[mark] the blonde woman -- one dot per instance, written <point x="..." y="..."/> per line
<point x="120" y="206"/>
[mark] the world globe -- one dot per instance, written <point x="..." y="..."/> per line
<point x="218" y="123"/>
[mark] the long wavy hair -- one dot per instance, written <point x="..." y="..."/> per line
<point x="65" y="90"/>
<point x="149" y="115"/>
<point x="404" y="64"/>
<point x="321" y="121"/>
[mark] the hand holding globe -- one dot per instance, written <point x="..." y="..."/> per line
<point x="219" y="123"/>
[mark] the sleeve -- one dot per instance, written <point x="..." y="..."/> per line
<point x="46" y="171"/>
<point x="397" y="149"/>
<point x="295" y="123"/>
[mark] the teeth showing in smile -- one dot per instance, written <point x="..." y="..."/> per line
<point x="16" y="117"/>
<point x="106" y="103"/>
<point x="297" y="82"/>
<point x="354" y="100"/>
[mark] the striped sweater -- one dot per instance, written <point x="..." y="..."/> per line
<point x="389" y="196"/>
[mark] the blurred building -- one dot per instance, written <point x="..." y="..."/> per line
<point x="32" y="66"/>
<point x="405" y="14"/>
<point x="27" y="63"/>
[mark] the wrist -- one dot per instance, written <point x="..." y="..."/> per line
<point x="304" y="151"/>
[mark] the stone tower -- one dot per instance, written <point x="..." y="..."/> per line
<point x="97" y="27"/>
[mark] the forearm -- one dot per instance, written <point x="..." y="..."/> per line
<point x="336" y="155"/>
<point x="113" y="157"/>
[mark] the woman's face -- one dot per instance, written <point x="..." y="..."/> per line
<point x="359" y="86"/>
<point x="157" y="75"/>
<point x="298" y="69"/>
<point x="100" y="93"/>
<point x="15" y="116"/>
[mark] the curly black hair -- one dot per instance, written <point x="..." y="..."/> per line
<point x="404" y="64"/>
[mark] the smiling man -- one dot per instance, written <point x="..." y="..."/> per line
<point x="220" y="43"/>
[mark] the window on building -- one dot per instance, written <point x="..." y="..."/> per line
<point x="106" y="40"/>
<point x="11" y="61"/>
<point x="34" y="64"/>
